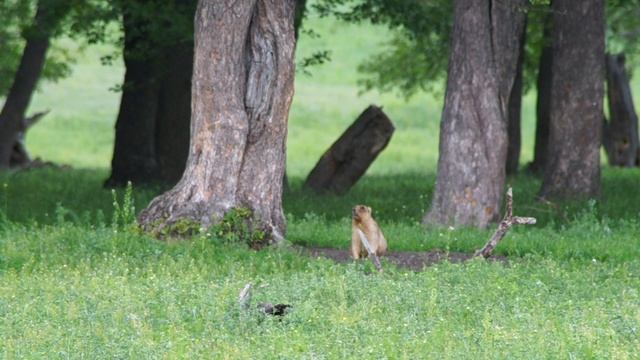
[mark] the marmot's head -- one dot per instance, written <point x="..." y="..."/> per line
<point x="360" y="212"/>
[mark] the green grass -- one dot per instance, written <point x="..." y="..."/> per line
<point x="74" y="285"/>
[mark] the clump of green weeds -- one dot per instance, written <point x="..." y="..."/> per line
<point x="5" y="207"/>
<point x="181" y="228"/>
<point x="124" y="215"/>
<point x="238" y="226"/>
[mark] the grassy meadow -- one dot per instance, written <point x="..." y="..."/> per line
<point x="78" y="281"/>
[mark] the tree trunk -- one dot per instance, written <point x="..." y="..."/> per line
<point x="515" y="110"/>
<point x="241" y="93"/>
<point x="620" y="137"/>
<point x="350" y="156"/>
<point x="577" y="90"/>
<point x="152" y="130"/>
<point x="473" y="132"/>
<point x="543" y="104"/>
<point x="174" y="113"/>
<point x="134" y="152"/>
<point x="24" y="84"/>
<point x="300" y="13"/>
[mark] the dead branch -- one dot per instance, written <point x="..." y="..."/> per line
<point x="372" y="255"/>
<point x="31" y="120"/>
<point x="267" y="308"/>
<point x="504" y="226"/>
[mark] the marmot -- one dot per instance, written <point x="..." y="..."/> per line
<point x="363" y="220"/>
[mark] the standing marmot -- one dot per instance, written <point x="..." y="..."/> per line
<point x="362" y="220"/>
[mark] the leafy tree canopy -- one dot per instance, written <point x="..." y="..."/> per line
<point x="81" y="19"/>
<point x="417" y="56"/>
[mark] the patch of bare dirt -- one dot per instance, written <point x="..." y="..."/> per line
<point x="414" y="260"/>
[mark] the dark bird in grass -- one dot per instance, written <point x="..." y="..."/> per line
<point x="276" y="310"/>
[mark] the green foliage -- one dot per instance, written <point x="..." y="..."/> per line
<point x="180" y="229"/>
<point x="623" y="29"/>
<point x="317" y="58"/>
<point x="124" y="215"/>
<point x="73" y="18"/>
<point x="149" y="27"/>
<point x="237" y="227"/>
<point x="416" y="58"/>
<point x="15" y="20"/>
<point x="13" y="15"/>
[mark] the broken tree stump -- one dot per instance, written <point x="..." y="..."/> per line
<point x="350" y="156"/>
<point x="620" y="134"/>
<point x="504" y="226"/>
<point x="20" y="157"/>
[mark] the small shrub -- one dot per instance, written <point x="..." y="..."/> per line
<point x="182" y="228"/>
<point x="124" y="216"/>
<point x="237" y="227"/>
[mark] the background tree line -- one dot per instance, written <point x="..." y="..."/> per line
<point x="509" y="48"/>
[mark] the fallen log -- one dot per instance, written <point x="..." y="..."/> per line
<point x="504" y="226"/>
<point x="351" y="155"/>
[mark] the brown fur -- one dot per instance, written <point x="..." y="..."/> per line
<point x="362" y="219"/>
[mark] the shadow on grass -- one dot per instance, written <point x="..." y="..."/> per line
<point x="399" y="198"/>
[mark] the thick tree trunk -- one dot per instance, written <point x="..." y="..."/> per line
<point x="473" y="132"/>
<point x="620" y="137"/>
<point x="350" y="156"/>
<point x="152" y="130"/>
<point x="174" y="113"/>
<point x="573" y="168"/>
<point x="134" y="152"/>
<point x="241" y="92"/>
<point x="515" y="110"/>
<point x="543" y="104"/>
<point x="24" y="84"/>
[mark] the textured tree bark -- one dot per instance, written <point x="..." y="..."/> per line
<point x="515" y="110"/>
<point x="350" y="156"/>
<point x="543" y="104"/>
<point x="24" y="84"/>
<point x="573" y="168"/>
<point x="241" y="93"/>
<point x="473" y="131"/>
<point x="620" y="137"/>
